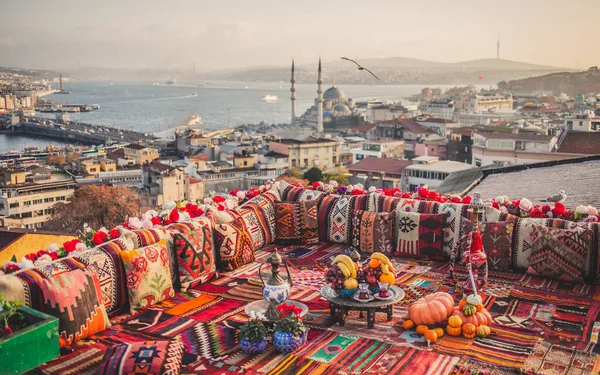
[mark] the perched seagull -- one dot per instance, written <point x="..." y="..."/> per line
<point x="360" y="67"/>
<point x="560" y="197"/>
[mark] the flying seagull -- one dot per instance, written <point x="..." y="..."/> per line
<point x="561" y="196"/>
<point x="360" y="67"/>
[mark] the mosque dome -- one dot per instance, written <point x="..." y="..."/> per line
<point x="333" y="93"/>
<point x="341" y="108"/>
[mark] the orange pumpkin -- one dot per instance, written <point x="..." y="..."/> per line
<point x="421" y="329"/>
<point x="479" y="307"/>
<point x="431" y="309"/>
<point x="453" y="331"/>
<point x="408" y="324"/>
<point x="431" y="336"/>
<point x="469" y="330"/>
<point x="455" y="321"/>
<point x="477" y="319"/>
<point x="483" y="331"/>
<point x="462" y="303"/>
<point x="440" y="332"/>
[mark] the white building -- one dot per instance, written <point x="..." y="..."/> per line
<point x="125" y="177"/>
<point x="389" y="149"/>
<point x="582" y="123"/>
<point x="439" y="125"/>
<point x="430" y="171"/>
<point x="511" y="148"/>
<point x="442" y="108"/>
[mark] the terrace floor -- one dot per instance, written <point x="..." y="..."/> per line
<point x="540" y="327"/>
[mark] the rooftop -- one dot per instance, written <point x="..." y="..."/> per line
<point x="307" y="140"/>
<point x="390" y="166"/>
<point x="135" y="146"/>
<point x="408" y="125"/>
<point x="581" y="143"/>
<point x="577" y="177"/>
<point x="519" y="136"/>
<point x="441" y="166"/>
<point x="459" y="181"/>
<point x="363" y="128"/>
<point x="276" y="155"/>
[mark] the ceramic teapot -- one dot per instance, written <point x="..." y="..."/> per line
<point x="276" y="290"/>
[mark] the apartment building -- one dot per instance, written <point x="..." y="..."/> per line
<point x="26" y="199"/>
<point x="308" y="152"/>
<point x="391" y="149"/>
<point x="430" y="171"/>
<point x="139" y="154"/>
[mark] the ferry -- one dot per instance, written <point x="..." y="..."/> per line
<point x="194" y="94"/>
<point x="193" y="120"/>
<point x="156" y="84"/>
<point x="171" y="81"/>
<point x="269" y="98"/>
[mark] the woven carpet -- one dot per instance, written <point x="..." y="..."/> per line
<point x="540" y="326"/>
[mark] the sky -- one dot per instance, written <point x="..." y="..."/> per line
<point x="170" y="34"/>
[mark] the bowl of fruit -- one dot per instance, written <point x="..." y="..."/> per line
<point x="378" y="269"/>
<point x="343" y="276"/>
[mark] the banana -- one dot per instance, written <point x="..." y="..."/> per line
<point x="383" y="259"/>
<point x="346" y="261"/>
<point x="385" y="269"/>
<point x="344" y="269"/>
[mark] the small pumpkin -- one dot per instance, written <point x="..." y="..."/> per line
<point x="408" y="324"/>
<point x="469" y="310"/>
<point x="469" y="330"/>
<point x="431" y="309"/>
<point x="440" y="332"/>
<point x="481" y="317"/>
<point x="454" y="331"/>
<point x="479" y="307"/>
<point x="421" y="329"/>
<point x="462" y="303"/>
<point x="430" y="336"/>
<point x="483" y="331"/>
<point x="455" y="321"/>
<point x="474" y="299"/>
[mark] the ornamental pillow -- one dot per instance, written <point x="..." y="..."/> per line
<point x="195" y="256"/>
<point x="419" y="236"/>
<point x="75" y="299"/>
<point x="335" y="216"/>
<point x="296" y="222"/>
<point x="150" y="357"/>
<point x="497" y="238"/>
<point x="559" y="253"/>
<point x="143" y="237"/>
<point x="148" y="275"/>
<point x="233" y="244"/>
<point x="372" y="231"/>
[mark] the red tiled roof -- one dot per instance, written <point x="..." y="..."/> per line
<point x="408" y="125"/>
<point x="581" y="143"/>
<point x="364" y="128"/>
<point x="539" y="109"/>
<point x="194" y="181"/>
<point x="435" y="120"/>
<point x="390" y="166"/>
<point x="521" y="136"/>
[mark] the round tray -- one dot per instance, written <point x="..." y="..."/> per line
<point x="262" y="306"/>
<point x="330" y="295"/>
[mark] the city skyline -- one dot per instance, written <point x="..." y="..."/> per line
<point x="172" y="35"/>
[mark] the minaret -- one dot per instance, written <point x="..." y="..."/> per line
<point x="320" y="101"/>
<point x="293" y="90"/>
<point x="498" y="47"/>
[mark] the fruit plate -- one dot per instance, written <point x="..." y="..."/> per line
<point x="391" y="294"/>
<point x="371" y="298"/>
<point x="347" y="292"/>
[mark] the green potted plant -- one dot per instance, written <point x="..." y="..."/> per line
<point x="290" y="332"/>
<point x="253" y="336"/>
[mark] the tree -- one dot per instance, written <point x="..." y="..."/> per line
<point x="313" y="175"/>
<point x="97" y="206"/>
<point x="340" y="175"/>
<point x="294" y="172"/>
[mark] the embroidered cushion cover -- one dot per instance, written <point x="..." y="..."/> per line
<point x="559" y="253"/>
<point x="233" y="244"/>
<point x="75" y="299"/>
<point x="497" y="238"/>
<point x="144" y="237"/>
<point x="372" y="231"/>
<point x="148" y="275"/>
<point x="149" y="357"/>
<point x="419" y="236"/>
<point x="335" y="216"/>
<point x="195" y="256"/>
<point x="296" y="222"/>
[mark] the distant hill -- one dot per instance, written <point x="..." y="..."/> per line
<point x="570" y="83"/>
<point x="501" y="64"/>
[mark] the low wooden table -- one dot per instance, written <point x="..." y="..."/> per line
<point x="340" y="306"/>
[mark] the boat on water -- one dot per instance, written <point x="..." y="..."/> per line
<point x="171" y="81"/>
<point x="269" y="98"/>
<point x="194" y="94"/>
<point x="156" y="84"/>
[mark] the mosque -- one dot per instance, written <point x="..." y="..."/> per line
<point x="331" y="112"/>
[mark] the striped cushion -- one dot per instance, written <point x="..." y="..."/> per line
<point x="144" y="237"/>
<point x="335" y="215"/>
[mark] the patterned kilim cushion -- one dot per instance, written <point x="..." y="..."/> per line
<point x="74" y="298"/>
<point x="258" y="224"/>
<point x="264" y="208"/>
<point x="297" y="222"/>
<point x="419" y="235"/>
<point x="148" y="275"/>
<point x="195" y="256"/>
<point x="497" y="242"/>
<point x="335" y="215"/>
<point x="149" y="357"/>
<point x="559" y="253"/>
<point x="233" y="244"/>
<point x="224" y="217"/>
<point x="372" y="231"/>
<point x="144" y="237"/>
<point x="106" y="262"/>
